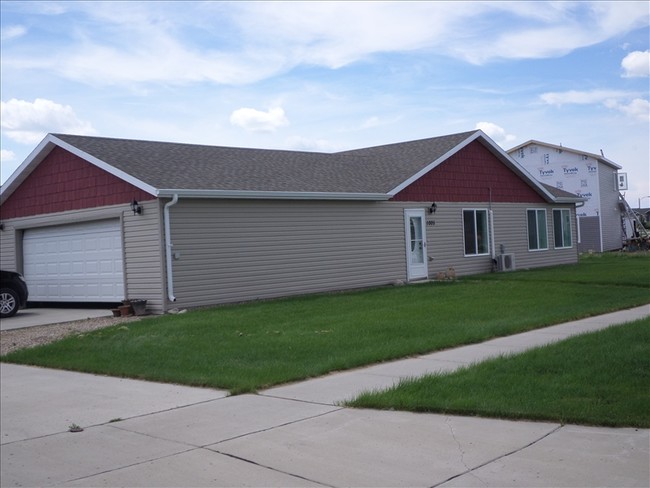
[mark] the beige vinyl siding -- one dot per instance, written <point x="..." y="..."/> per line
<point x="8" y="249"/>
<point x="445" y="238"/>
<point x="238" y="250"/>
<point x="511" y="230"/>
<point x="610" y="214"/>
<point x="144" y="256"/>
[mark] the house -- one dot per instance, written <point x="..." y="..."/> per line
<point x="90" y="219"/>
<point x="591" y="176"/>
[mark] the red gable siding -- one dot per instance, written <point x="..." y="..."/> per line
<point x="63" y="181"/>
<point x="468" y="176"/>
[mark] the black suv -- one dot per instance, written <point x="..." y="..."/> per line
<point x="13" y="293"/>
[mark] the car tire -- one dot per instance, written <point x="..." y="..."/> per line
<point x="9" y="303"/>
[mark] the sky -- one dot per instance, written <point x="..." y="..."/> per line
<point x="330" y="76"/>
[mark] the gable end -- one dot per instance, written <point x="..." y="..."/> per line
<point x="64" y="181"/>
<point x="473" y="174"/>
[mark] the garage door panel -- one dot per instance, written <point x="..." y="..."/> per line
<point x="80" y="262"/>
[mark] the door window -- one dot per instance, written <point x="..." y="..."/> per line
<point x="417" y="243"/>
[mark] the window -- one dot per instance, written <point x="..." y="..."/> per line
<point x="562" y="228"/>
<point x="475" y="231"/>
<point x="537" y="238"/>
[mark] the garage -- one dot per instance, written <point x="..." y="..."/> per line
<point x="74" y="263"/>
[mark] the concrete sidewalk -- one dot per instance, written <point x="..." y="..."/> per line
<point x="147" y="434"/>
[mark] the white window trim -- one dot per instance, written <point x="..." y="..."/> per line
<point x="562" y="210"/>
<point x="487" y="221"/>
<point x="537" y="224"/>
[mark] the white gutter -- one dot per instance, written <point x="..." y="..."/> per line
<point x="578" y="229"/>
<point x="270" y="195"/>
<point x="168" y="249"/>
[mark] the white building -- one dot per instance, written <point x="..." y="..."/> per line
<point x="591" y="176"/>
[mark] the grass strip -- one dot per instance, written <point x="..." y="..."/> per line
<point x="610" y="269"/>
<point x="248" y="347"/>
<point x="600" y="378"/>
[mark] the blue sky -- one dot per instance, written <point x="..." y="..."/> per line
<point x="329" y="76"/>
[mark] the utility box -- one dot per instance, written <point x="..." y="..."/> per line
<point x="506" y="262"/>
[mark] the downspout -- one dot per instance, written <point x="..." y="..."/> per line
<point x="578" y="205"/>
<point x="168" y="248"/>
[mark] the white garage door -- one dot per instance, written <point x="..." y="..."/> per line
<point x="74" y="263"/>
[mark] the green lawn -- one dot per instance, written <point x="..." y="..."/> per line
<point x="248" y="347"/>
<point x="625" y="269"/>
<point x="601" y="378"/>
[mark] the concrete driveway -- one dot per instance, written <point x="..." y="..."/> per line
<point x="31" y="317"/>
<point x="147" y="434"/>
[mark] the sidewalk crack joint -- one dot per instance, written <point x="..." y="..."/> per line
<point x="510" y="453"/>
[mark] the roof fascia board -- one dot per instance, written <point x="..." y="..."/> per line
<point x="435" y="163"/>
<point x="270" y="195"/>
<point x="105" y="166"/>
<point x="597" y="157"/>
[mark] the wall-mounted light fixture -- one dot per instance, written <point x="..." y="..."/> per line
<point x="136" y="207"/>
<point x="433" y="208"/>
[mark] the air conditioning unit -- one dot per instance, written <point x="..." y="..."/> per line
<point x="506" y="262"/>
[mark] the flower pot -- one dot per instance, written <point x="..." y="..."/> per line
<point x="139" y="306"/>
<point x="125" y="310"/>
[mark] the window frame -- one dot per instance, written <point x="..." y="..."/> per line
<point x="475" y="234"/>
<point x="562" y="235"/>
<point x="537" y="236"/>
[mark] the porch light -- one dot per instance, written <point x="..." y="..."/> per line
<point x="136" y="207"/>
<point x="433" y="208"/>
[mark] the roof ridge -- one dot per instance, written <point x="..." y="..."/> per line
<point x="184" y="144"/>
<point x="459" y="135"/>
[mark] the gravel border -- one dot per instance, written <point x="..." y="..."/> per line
<point x="13" y="339"/>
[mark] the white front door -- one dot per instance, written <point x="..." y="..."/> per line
<point x="416" y="244"/>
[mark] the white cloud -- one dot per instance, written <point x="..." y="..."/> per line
<point x="636" y="65"/>
<point x="298" y="143"/>
<point x="12" y="32"/>
<point x="371" y="122"/>
<point x="131" y="42"/>
<point x="496" y="132"/>
<point x="8" y="164"/>
<point x="634" y="107"/>
<point x="28" y="122"/>
<point x="581" y="97"/>
<point x="258" y="121"/>
<point x="374" y="122"/>
<point x="320" y="32"/>
<point x="7" y="156"/>
<point x="637" y="109"/>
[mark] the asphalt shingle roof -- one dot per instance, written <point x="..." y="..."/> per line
<point x="557" y="192"/>
<point x="166" y="165"/>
